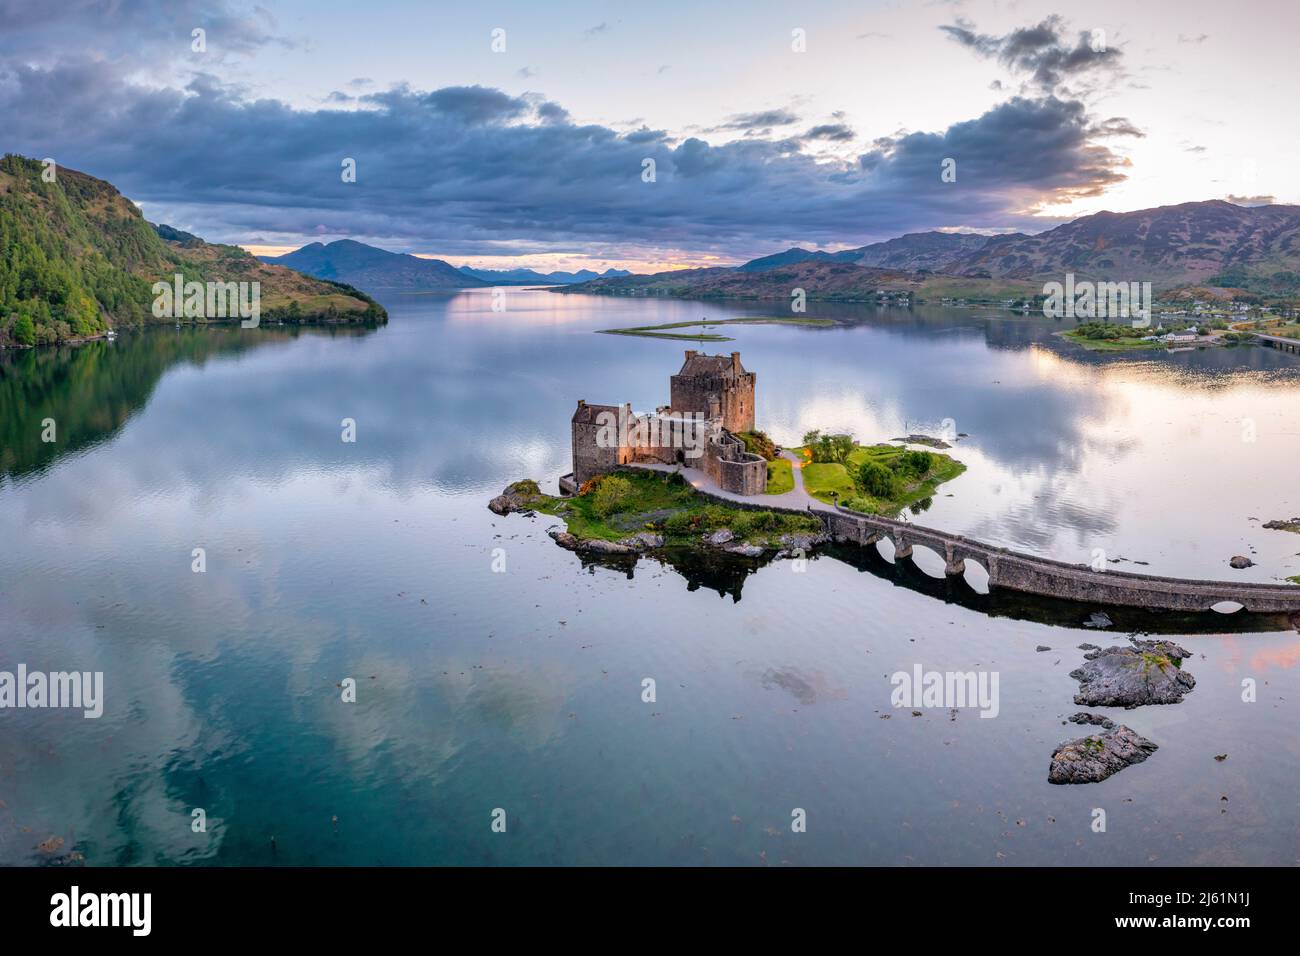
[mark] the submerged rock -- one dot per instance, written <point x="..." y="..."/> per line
<point x="601" y="546"/>
<point x="1097" y="720"/>
<point x="1099" y="619"/>
<point x="928" y="440"/>
<point x="1146" y="673"/>
<point x="564" y="539"/>
<point x="745" y="550"/>
<point x="1095" y="757"/>
<point x="1283" y="524"/>
<point x="1240" y="561"/>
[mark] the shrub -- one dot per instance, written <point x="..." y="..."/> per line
<point x="829" y="449"/>
<point x="757" y="443"/>
<point x="681" y="522"/>
<point x="877" y="480"/>
<point x="913" y="464"/>
<point x="25" y="330"/>
<point x="715" y="516"/>
<point x="611" y="496"/>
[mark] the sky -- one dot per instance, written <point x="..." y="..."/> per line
<point x="521" y="134"/>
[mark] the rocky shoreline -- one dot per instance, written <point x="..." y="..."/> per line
<point x="524" y="497"/>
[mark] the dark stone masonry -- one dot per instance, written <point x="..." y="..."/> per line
<point x="712" y="398"/>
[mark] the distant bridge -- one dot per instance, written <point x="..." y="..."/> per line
<point x="1280" y="342"/>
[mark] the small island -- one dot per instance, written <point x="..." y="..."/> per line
<point x="697" y="473"/>
<point x="626" y="513"/>
<point x="666" y="330"/>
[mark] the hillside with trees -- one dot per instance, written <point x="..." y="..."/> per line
<point x="78" y="259"/>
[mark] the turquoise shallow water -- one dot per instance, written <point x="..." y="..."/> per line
<point x="522" y="690"/>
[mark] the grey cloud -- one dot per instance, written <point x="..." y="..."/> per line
<point x="834" y="132"/>
<point x="130" y="28"/>
<point x="473" y="170"/>
<point x="1043" y="51"/>
<point x="753" y="121"/>
<point x="1117" y="126"/>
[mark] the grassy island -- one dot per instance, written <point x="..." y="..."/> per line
<point x="622" y="506"/>
<point x="876" y="479"/>
<point x="665" y="331"/>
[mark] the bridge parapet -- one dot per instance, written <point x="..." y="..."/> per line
<point x="1059" y="579"/>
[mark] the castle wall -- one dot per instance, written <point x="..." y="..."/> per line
<point x="710" y="397"/>
<point x="732" y="468"/>
<point x="593" y="454"/>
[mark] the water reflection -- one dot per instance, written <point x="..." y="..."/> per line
<point x="522" y="689"/>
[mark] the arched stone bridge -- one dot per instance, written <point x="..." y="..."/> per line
<point x="1074" y="582"/>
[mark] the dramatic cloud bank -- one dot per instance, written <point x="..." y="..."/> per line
<point x="472" y="170"/>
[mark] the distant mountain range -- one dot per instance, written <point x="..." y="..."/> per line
<point x="530" y="277"/>
<point x="1211" y="248"/>
<point x="369" y="267"/>
<point x="912" y="252"/>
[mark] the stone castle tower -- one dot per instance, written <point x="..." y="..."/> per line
<point x="717" y="388"/>
<point x="712" y="399"/>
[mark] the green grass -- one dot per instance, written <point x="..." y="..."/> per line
<point x="1294" y="579"/>
<point x="670" y="507"/>
<point x="661" y="331"/>
<point x="820" y="479"/>
<point x="780" y="477"/>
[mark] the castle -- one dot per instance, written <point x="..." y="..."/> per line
<point x="710" y="400"/>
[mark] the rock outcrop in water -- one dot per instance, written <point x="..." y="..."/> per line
<point x="1095" y="757"/>
<point x="518" y="496"/>
<point x="1149" y="672"/>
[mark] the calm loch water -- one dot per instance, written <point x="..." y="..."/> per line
<point x="522" y="690"/>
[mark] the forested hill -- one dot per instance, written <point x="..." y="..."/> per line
<point x="77" y="258"/>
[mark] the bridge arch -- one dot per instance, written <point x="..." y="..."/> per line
<point x="929" y="561"/>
